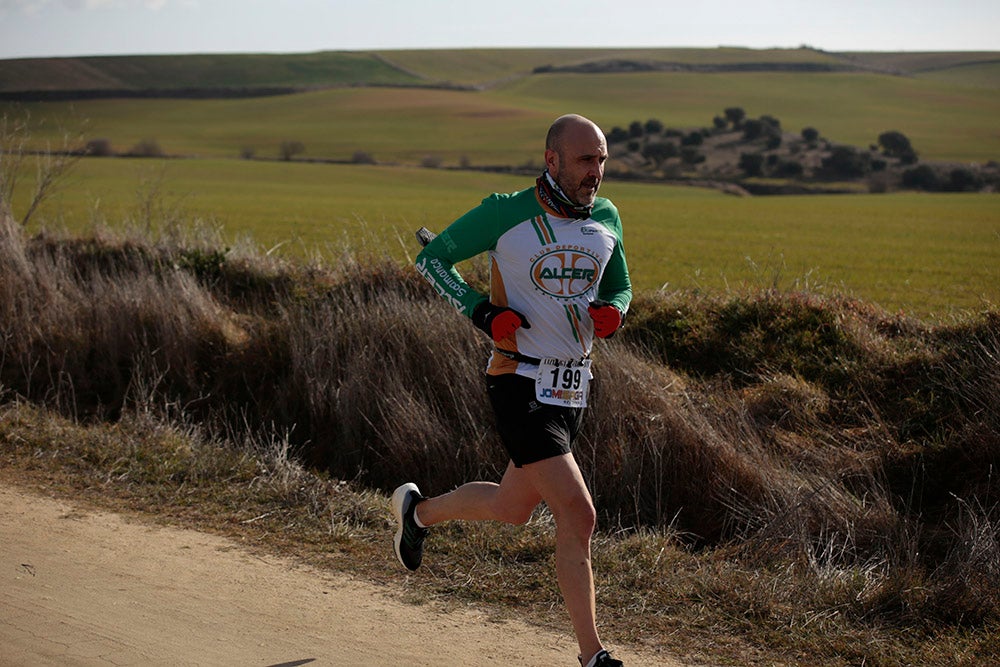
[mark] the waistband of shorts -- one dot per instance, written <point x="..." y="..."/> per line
<point x="525" y="359"/>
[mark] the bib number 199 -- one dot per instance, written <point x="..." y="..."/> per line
<point x="564" y="383"/>
<point x="567" y="378"/>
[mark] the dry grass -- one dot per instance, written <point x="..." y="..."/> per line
<point x="783" y="478"/>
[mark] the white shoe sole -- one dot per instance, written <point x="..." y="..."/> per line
<point x="399" y="508"/>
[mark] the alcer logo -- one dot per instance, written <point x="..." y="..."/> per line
<point x="565" y="274"/>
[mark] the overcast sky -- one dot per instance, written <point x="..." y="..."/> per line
<point x="100" y="27"/>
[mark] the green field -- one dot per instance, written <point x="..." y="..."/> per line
<point x="943" y="121"/>
<point x="944" y="115"/>
<point x="392" y="124"/>
<point x="199" y="71"/>
<point x="929" y="255"/>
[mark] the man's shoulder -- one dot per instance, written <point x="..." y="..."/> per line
<point x="512" y="197"/>
<point x="524" y="205"/>
<point x="520" y="203"/>
<point x="604" y="204"/>
<point x="605" y="211"/>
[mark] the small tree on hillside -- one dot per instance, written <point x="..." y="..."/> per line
<point x="735" y="116"/>
<point x="896" y="144"/>
<point x="962" y="179"/>
<point x="752" y="129"/>
<point x="693" y="139"/>
<point x="922" y="177"/>
<point x="98" y="148"/>
<point x="290" y="149"/>
<point x="788" y="169"/>
<point x="146" y="148"/>
<point x="847" y="162"/>
<point x="752" y="164"/>
<point x="691" y="155"/>
<point x="617" y="135"/>
<point x="660" y="151"/>
<point x="362" y="157"/>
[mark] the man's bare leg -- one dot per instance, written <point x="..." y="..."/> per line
<point x="510" y="501"/>
<point x="561" y="485"/>
<point x="559" y="482"/>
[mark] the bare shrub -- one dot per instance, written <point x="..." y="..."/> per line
<point x="51" y="166"/>
<point x="377" y="367"/>
<point x="146" y="148"/>
<point x="15" y="265"/>
<point x="99" y="148"/>
<point x="289" y="149"/>
<point x="80" y="319"/>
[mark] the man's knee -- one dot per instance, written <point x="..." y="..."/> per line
<point x="579" y="516"/>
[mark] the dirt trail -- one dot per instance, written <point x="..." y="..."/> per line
<point x="81" y="587"/>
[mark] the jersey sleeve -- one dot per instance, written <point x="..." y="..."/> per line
<point x="616" y="286"/>
<point x="473" y="233"/>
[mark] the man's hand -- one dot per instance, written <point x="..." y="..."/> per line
<point x="607" y="318"/>
<point x="498" y="321"/>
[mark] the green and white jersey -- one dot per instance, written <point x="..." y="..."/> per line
<point x="546" y="267"/>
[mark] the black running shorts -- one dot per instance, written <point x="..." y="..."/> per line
<point x="530" y="431"/>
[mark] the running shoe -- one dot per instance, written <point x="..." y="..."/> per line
<point x="409" y="541"/>
<point x="602" y="659"/>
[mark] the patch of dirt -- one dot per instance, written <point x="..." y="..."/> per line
<point x="85" y="587"/>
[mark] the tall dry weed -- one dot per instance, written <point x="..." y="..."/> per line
<point x="75" y="328"/>
<point x="389" y="386"/>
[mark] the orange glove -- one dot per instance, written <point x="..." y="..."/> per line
<point x="607" y="318"/>
<point x="498" y="322"/>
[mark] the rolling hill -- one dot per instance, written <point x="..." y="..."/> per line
<point x="403" y="106"/>
<point x="229" y="74"/>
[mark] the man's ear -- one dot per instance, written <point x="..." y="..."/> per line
<point x="552" y="161"/>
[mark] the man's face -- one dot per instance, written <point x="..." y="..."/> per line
<point x="577" y="164"/>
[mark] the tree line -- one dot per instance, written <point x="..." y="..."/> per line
<point x="767" y="150"/>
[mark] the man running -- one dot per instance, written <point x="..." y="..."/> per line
<point x="558" y="277"/>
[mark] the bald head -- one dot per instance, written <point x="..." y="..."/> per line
<point x="568" y="125"/>
<point x="575" y="153"/>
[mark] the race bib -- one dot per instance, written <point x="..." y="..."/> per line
<point x="564" y="383"/>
